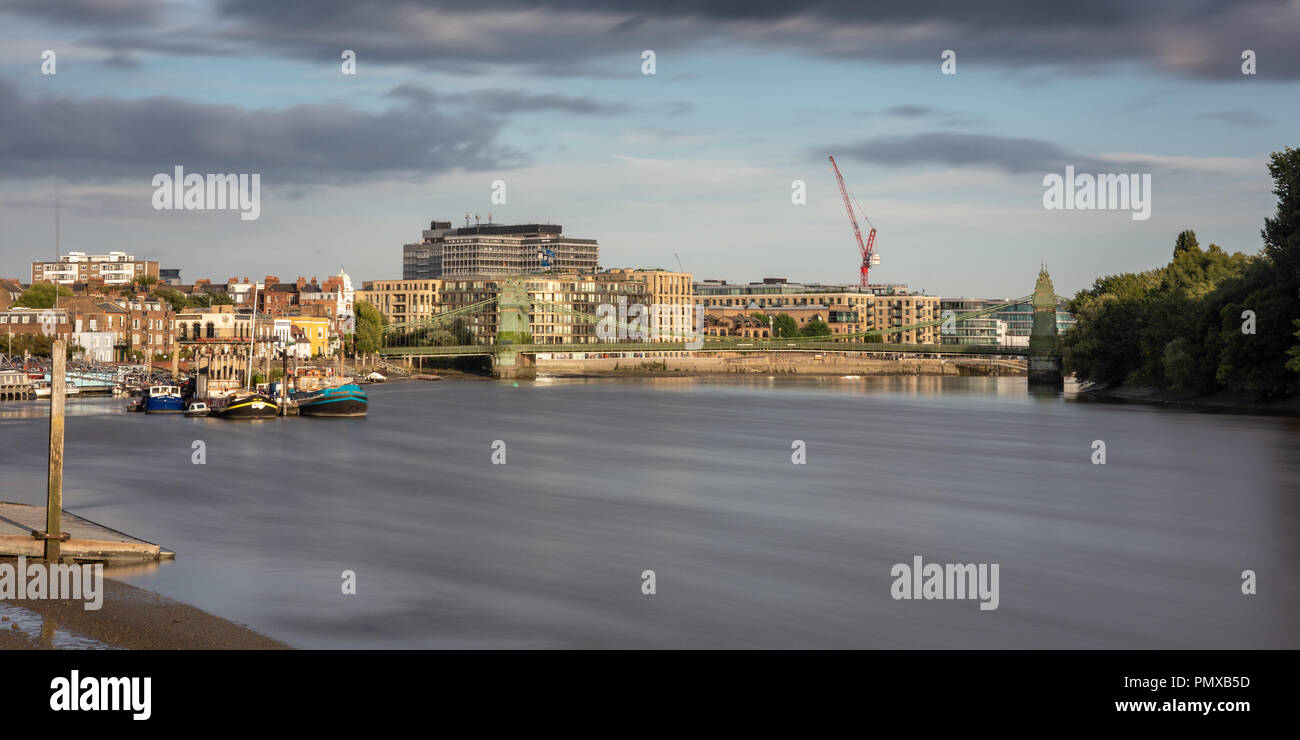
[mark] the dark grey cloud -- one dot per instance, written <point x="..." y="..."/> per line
<point x="99" y="139"/>
<point x="910" y="110"/>
<point x="88" y="12"/>
<point x="1009" y="154"/>
<point x="1236" y="117"/>
<point x="1196" y="38"/>
<point x="507" y="102"/>
<point x="121" y="61"/>
<point x="514" y="101"/>
<point x="1201" y="38"/>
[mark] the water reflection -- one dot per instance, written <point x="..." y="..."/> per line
<point x="605" y="478"/>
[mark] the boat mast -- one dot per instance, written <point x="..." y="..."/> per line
<point x="248" y="374"/>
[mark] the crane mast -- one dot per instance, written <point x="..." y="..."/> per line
<point x="867" y="250"/>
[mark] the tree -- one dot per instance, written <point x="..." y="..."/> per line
<point x="174" y="298"/>
<point x="370" y="328"/>
<point x="1282" y="232"/>
<point x="220" y="299"/>
<point x="37" y="345"/>
<point x="1208" y="319"/>
<point x="784" y="326"/>
<point x="41" y="295"/>
<point x="816" y="328"/>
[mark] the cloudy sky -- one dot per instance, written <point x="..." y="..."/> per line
<point x="696" y="160"/>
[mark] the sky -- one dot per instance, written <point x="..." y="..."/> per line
<point x="695" y="162"/>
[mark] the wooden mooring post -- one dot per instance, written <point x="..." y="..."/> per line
<point x="54" y="500"/>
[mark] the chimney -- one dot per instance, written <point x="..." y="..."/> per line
<point x="302" y="282"/>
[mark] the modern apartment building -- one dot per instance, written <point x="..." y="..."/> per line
<point x="672" y="292"/>
<point x="847" y="309"/>
<point x="114" y="268"/>
<point x="402" y="301"/>
<point x="894" y="311"/>
<point x="1017" y="321"/>
<point x="563" y="311"/>
<point x="496" y="250"/>
<point x="987" y="329"/>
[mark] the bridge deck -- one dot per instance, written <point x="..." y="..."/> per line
<point x="756" y="346"/>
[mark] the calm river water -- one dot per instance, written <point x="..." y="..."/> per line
<point x="693" y="479"/>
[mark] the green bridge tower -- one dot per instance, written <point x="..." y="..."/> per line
<point x="512" y="328"/>
<point x="1044" y="343"/>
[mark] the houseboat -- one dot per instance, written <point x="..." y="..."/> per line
<point x="163" y="399"/>
<point x="344" y="400"/>
<point x="244" y="405"/>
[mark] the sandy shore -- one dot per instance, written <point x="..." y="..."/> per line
<point x="131" y="618"/>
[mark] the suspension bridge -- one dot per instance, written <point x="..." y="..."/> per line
<point x="499" y="327"/>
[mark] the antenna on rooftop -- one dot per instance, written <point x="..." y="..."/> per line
<point x="467" y="220"/>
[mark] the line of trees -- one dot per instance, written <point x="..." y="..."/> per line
<point x="785" y="327"/>
<point x="1208" y="320"/>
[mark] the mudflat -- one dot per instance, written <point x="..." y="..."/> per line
<point x="131" y="618"/>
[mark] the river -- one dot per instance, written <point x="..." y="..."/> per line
<point x="694" y="480"/>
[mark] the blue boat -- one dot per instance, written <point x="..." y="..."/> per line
<point x="345" y="400"/>
<point x="163" y="399"/>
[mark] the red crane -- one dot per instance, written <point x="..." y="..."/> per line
<point x="868" y="250"/>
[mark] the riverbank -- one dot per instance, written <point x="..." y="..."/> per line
<point x="753" y="364"/>
<point x="1222" y="400"/>
<point x="131" y="618"/>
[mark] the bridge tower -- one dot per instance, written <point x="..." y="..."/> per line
<point x="512" y="327"/>
<point x="1044" y="343"/>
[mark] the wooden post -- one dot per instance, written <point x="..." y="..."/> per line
<point x="54" y="500"/>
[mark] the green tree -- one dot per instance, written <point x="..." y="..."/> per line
<point x="41" y="295"/>
<point x="220" y="299"/>
<point x="370" y="328"/>
<point x="174" y="298"/>
<point x="1281" y="233"/>
<point x="784" y="326"/>
<point x="816" y="328"/>
<point x="37" y="345"/>
<point x="1208" y="319"/>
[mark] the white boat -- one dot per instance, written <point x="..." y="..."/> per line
<point x="43" y="388"/>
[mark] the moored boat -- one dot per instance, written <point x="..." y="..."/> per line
<point x="43" y="389"/>
<point x="244" y="405"/>
<point x="342" y="401"/>
<point x="197" y="408"/>
<point x="163" y="399"/>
